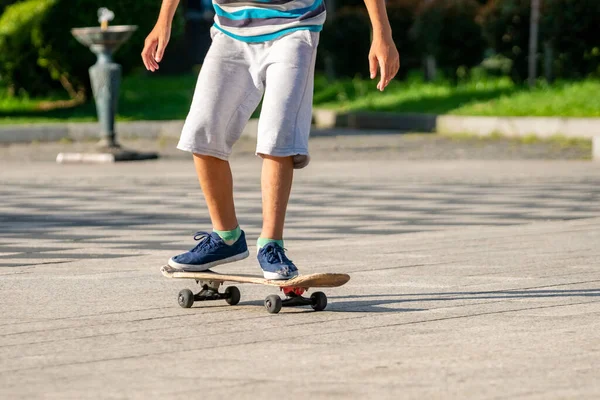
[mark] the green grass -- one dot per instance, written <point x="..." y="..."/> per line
<point x="498" y="96"/>
<point x="565" y="99"/>
<point x="156" y="97"/>
<point x="142" y="97"/>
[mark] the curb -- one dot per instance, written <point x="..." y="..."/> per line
<point x="47" y="132"/>
<point x="520" y="126"/>
<point x="544" y="127"/>
<point x="86" y="131"/>
<point x="328" y="119"/>
<point x="333" y="123"/>
<point x="78" y="131"/>
<point x="507" y="126"/>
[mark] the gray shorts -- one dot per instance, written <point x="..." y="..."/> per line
<point x="231" y="83"/>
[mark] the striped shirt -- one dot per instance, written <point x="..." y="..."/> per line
<point x="264" y="20"/>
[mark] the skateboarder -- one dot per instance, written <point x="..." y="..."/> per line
<point x="259" y="47"/>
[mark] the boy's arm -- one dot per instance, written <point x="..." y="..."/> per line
<point x="156" y="42"/>
<point x="383" y="50"/>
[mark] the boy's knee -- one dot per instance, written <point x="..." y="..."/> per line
<point x="299" y="160"/>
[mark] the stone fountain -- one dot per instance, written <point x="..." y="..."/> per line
<point x="105" y="77"/>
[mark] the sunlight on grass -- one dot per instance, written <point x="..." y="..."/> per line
<point x="158" y="97"/>
<point x="142" y="97"/>
<point x="412" y="96"/>
<point x="572" y="99"/>
<point x="498" y="97"/>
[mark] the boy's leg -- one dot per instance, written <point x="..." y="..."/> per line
<point x="227" y="242"/>
<point x="276" y="183"/>
<point x="226" y="95"/>
<point x="216" y="182"/>
<point x="283" y="132"/>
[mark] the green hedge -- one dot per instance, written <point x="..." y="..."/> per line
<point x="38" y="32"/>
<point x="19" y="68"/>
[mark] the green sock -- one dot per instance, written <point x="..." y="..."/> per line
<point x="229" y="237"/>
<point x="262" y="242"/>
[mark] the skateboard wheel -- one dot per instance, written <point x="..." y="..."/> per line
<point x="318" y="301"/>
<point x="233" y="295"/>
<point x="186" y="298"/>
<point x="273" y="303"/>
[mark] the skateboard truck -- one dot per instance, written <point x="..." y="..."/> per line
<point x="294" y="298"/>
<point x="289" y="291"/>
<point x="213" y="285"/>
<point x="209" y="291"/>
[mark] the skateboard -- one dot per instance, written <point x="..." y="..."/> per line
<point x="293" y="289"/>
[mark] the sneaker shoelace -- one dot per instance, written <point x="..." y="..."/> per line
<point x="207" y="242"/>
<point x="275" y="253"/>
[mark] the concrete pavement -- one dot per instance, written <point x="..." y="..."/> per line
<point x="345" y="145"/>
<point x="470" y="279"/>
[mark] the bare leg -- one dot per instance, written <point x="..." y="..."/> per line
<point x="276" y="182"/>
<point x="216" y="182"/>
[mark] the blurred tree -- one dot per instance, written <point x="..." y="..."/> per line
<point x="447" y="31"/>
<point x="198" y="15"/>
<point x="572" y="37"/>
<point x="345" y="43"/>
<point x="568" y="30"/>
<point x="506" y="26"/>
<point x="349" y="3"/>
<point x="346" y="37"/>
<point x="402" y="14"/>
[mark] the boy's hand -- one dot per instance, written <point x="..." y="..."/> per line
<point x="384" y="55"/>
<point x="155" y="44"/>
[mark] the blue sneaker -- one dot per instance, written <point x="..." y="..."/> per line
<point x="211" y="251"/>
<point x="274" y="263"/>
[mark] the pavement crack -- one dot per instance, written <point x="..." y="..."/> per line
<point x="85" y="316"/>
<point x="94" y="325"/>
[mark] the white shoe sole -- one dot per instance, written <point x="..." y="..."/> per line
<point x="204" y="267"/>
<point x="273" y="276"/>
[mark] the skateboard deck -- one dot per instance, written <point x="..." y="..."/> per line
<point x="292" y="288"/>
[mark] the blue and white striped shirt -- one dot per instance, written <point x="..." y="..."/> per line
<point x="264" y="20"/>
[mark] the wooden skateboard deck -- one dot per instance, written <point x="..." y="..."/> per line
<point x="292" y="288"/>
<point x="304" y="281"/>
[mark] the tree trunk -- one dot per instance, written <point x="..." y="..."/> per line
<point x="430" y="65"/>
<point x="533" y="41"/>
<point x="548" y="60"/>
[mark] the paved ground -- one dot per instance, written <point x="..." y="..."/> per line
<point x="470" y="279"/>
<point x="349" y="144"/>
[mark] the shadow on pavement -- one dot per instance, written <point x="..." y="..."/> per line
<point x="347" y="306"/>
<point x="499" y="294"/>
